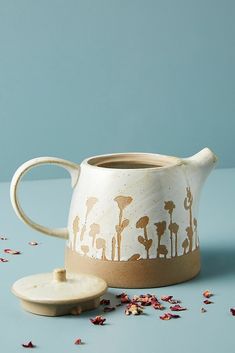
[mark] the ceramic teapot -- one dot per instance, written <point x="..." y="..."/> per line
<point x="133" y="216"/>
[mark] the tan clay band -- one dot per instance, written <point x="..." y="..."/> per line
<point x="137" y="274"/>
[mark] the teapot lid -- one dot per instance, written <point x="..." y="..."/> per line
<point x="59" y="293"/>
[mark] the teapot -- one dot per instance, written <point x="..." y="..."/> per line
<point x="133" y="216"/>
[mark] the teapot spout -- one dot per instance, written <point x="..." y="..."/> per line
<point x="203" y="162"/>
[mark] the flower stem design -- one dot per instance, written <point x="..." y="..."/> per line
<point x="75" y="231"/>
<point x="91" y="201"/>
<point x="113" y="248"/>
<point x="160" y="229"/>
<point x="122" y="202"/>
<point x="188" y="201"/>
<point x="101" y="244"/>
<point x="142" y="223"/>
<point x="94" y="231"/>
<point x="169" y="206"/>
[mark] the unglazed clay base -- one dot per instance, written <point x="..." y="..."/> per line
<point x="143" y="273"/>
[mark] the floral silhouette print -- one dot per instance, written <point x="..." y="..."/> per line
<point x="113" y="248"/>
<point x="195" y="232"/>
<point x="188" y="201"/>
<point x="160" y="229"/>
<point x="142" y="224"/>
<point x="174" y="228"/>
<point x="75" y="231"/>
<point x="101" y="244"/>
<point x="85" y="249"/>
<point x="169" y="207"/>
<point x="91" y="201"/>
<point x="94" y="231"/>
<point x="122" y="202"/>
<point x="185" y="245"/>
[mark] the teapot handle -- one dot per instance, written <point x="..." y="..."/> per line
<point x="72" y="168"/>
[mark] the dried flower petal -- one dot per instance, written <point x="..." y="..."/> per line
<point x="3" y="260"/>
<point x="203" y="310"/>
<point x="232" y="311"/>
<point x="207" y="294"/>
<point x="168" y="316"/>
<point x="124" y="298"/>
<point x="108" y="309"/>
<point x="98" y="320"/>
<point x="208" y="302"/>
<point x="33" y="243"/>
<point x="158" y="306"/>
<point x="177" y="307"/>
<point x="3" y="238"/>
<point x="12" y="252"/>
<point x="28" y="345"/>
<point x="133" y="309"/>
<point x="169" y="299"/>
<point x="105" y="302"/>
<point x="78" y="341"/>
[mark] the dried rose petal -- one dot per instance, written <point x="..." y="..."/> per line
<point x="33" y="243"/>
<point x="124" y="298"/>
<point x="166" y="298"/>
<point x="203" y="310"/>
<point x="177" y="307"/>
<point x="12" y="252"/>
<point x="133" y="309"/>
<point x="232" y="311"/>
<point x="208" y="302"/>
<point x="28" y="345"/>
<point x="3" y="260"/>
<point x="144" y="299"/>
<point x="108" y="309"/>
<point x="169" y="299"/>
<point x="105" y="302"/>
<point x="168" y="316"/>
<point x="158" y="306"/>
<point x="78" y="341"/>
<point x="98" y="320"/>
<point x="3" y="238"/>
<point x="207" y="294"/>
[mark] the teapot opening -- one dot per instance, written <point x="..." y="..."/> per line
<point x="133" y="161"/>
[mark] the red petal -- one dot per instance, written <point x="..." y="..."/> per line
<point x="207" y="301"/>
<point x="28" y="345"/>
<point x="12" y="252"/>
<point x="169" y="299"/>
<point x="232" y="310"/>
<point x="78" y="341"/>
<point x="207" y="294"/>
<point x="177" y="307"/>
<point x="168" y="316"/>
<point x="107" y="309"/>
<point x="3" y="260"/>
<point x="33" y="243"/>
<point x="105" y="302"/>
<point x="166" y="298"/>
<point x="98" y="320"/>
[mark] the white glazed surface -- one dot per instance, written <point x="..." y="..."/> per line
<point x="42" y="288"/>
<point x="149" y="190"/>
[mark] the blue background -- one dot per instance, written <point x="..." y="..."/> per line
<point x="79" y="78"/>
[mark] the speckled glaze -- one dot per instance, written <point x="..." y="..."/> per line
<point x="131" y="207"/>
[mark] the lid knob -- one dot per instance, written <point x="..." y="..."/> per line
<point x="59" y="274"/>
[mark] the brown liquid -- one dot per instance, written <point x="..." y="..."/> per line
<point x="127" y="165"/>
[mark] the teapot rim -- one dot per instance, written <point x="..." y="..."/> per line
<point x="152" y="161"/>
